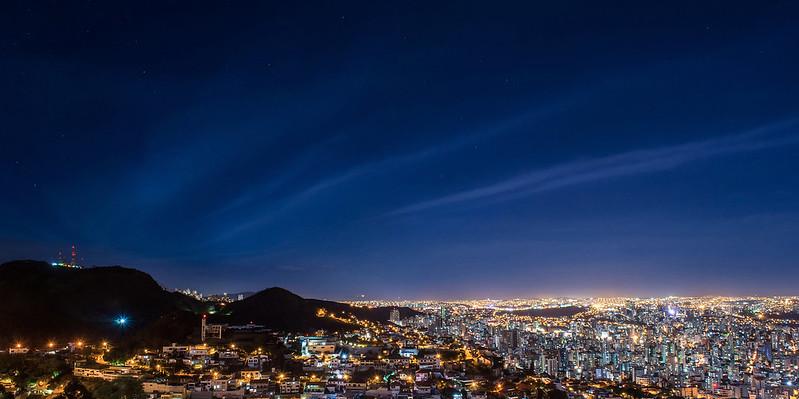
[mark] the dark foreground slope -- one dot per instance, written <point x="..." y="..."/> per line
<point x="39" y="303"/>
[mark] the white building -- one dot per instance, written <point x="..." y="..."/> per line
<point x="108" y="374"/>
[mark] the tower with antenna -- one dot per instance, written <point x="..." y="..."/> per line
<point x="74" y="262"/>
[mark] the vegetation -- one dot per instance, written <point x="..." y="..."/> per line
<point x="25" y="370"/>
<point x="123" y="388"/>
<point x="75" y="390"/>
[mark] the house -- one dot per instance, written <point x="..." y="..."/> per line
<point x="249" y="375"/>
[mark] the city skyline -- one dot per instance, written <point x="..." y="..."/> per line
<point x="399" y="200"/>
<point x="407" y="150"/>
<point x="364" y="300"/>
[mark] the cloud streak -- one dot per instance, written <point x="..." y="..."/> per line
<point x="624" y="164"/>
<point x="383" y="166"/>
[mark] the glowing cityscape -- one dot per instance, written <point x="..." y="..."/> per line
<point x="399" y="199"/>
<point x="691" y="347"/>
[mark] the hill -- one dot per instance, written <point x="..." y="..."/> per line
<point x="792" y="316"/>
<point x="42" y="303"/>
<point x="281" y="309"/>
<point x="564" y="311"/>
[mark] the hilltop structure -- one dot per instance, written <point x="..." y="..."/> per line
<point x="73" y="261"/>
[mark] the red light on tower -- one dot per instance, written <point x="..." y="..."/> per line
<point x="74" y="255"/>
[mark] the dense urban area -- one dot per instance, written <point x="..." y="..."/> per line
<point x="267" y="199"/>
<point x="600" y="348"/>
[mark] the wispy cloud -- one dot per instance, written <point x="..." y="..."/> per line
<point x="386" y="165"/>
<point x="623" y="164"/>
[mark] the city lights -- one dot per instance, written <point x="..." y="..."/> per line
<point x="399" y="200"/>
<point x="585" y="344"/>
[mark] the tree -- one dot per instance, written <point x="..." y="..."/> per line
<point x="75" y="390"/>
<point x="120" y="388"/>
<point x="119" y="354"/>
<point x="5" y="394"/>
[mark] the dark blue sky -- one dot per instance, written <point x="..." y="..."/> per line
<point x="407" y="149"/>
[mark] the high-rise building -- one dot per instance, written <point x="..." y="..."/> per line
<point x="394" y="316"/>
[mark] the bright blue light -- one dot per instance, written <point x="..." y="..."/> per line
<point x="672" y="311"/>
<point x="121" y="320"/>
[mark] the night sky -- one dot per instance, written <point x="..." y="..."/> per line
<point x="407" y="149"/>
